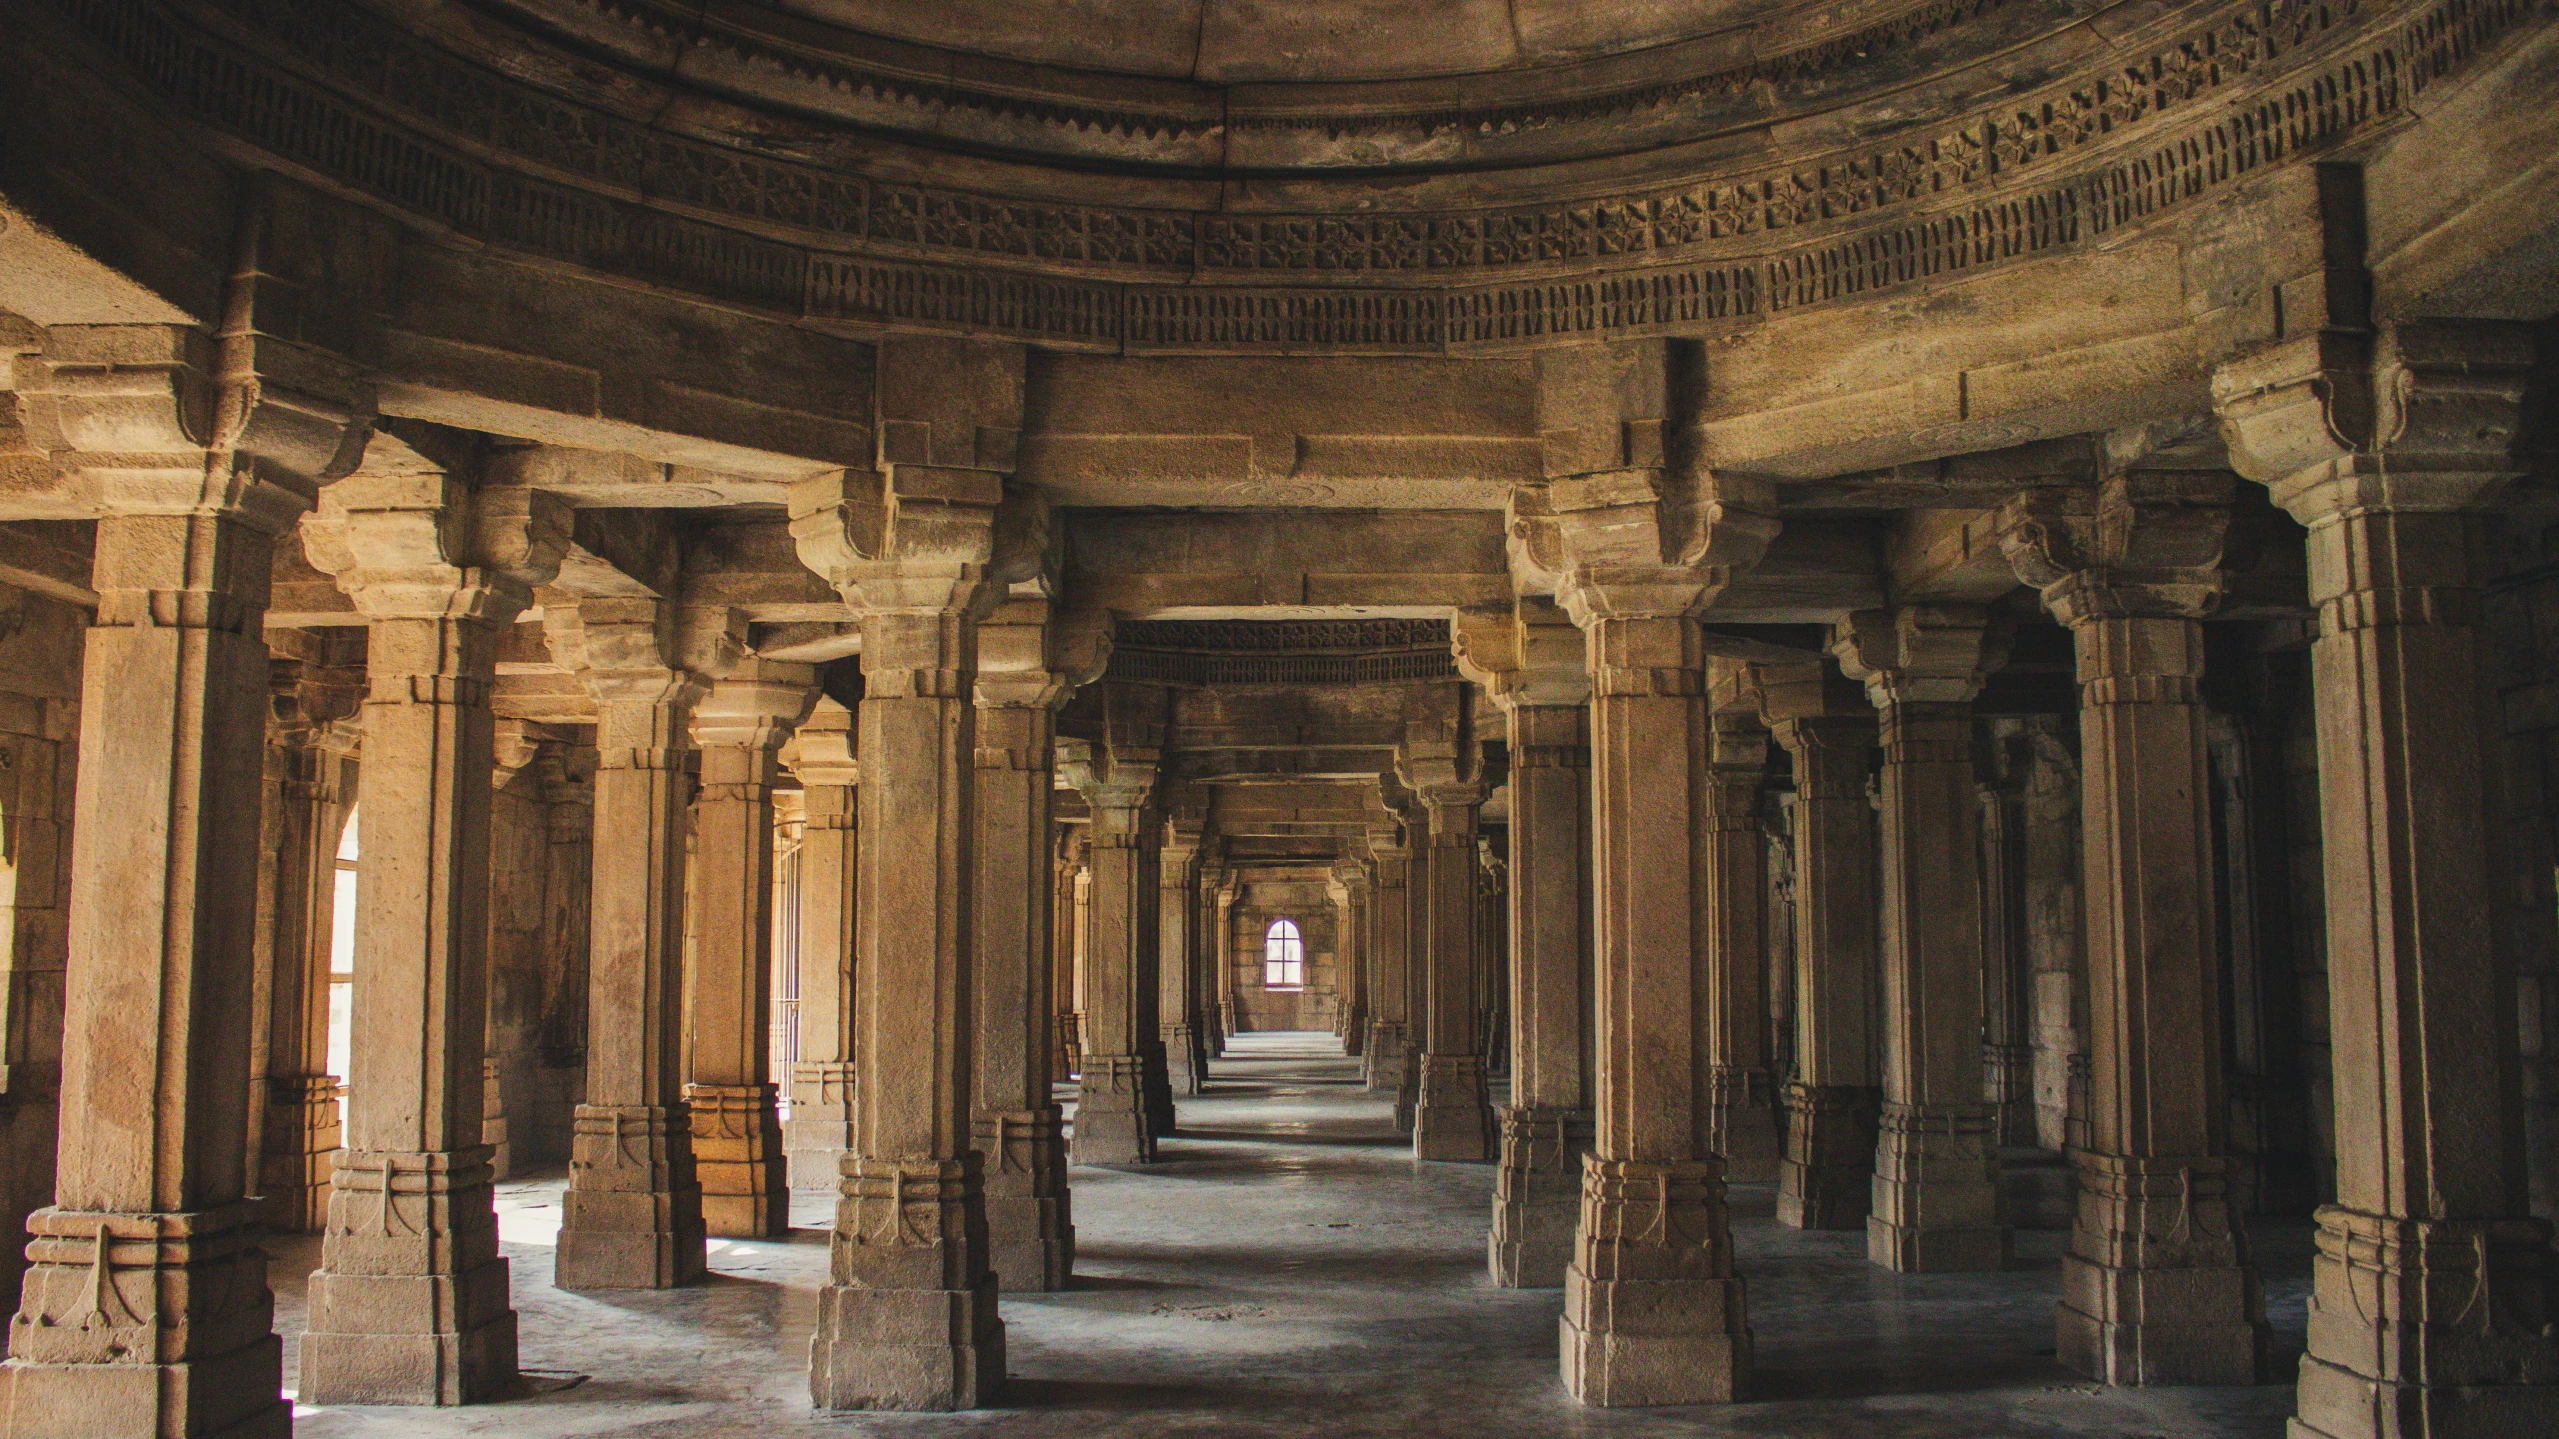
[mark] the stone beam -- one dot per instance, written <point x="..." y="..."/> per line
<point x="1204" y="565"/>
<point x="727" y="405"/>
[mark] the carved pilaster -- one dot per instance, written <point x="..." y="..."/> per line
<point x="820" y="1130"/>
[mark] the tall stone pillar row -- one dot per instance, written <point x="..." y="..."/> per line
<point x="313" y="742"/>
<point x="633" y="1218"/>
<point x="144" y="1312"/>
<point x="1936" y="1190"/>
<point x="1825" y="1178"/>
<point x="2156" y="1285"/>
<point x="908" y="1317"/>
<point x="2434" y="1303"/>
<point x="1113" y="1122"/>
<point x="1019" y="1131"/>
<point x="739" y="729"/>
<point x="1532" y="663"/>
<point x="1452" y="1114"/>
<point x="1177" y="879"/>
<point x="1382" y="1067"/>
<point x="819" y="1132"/>
<point x="1740" y="1087"/>
<point x="410" y="1303"/>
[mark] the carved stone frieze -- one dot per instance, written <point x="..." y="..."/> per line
<point x="2144" y="131"/>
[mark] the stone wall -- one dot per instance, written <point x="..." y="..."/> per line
<point x="1307" y="904"/>
<point x="2523" y="615"/>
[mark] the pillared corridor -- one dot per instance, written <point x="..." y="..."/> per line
<point x="1286" y="1268"/>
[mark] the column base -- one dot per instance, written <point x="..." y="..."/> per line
<point x="1452" y="1120"/>
<point x="1653" y="1313"/>
<point x="1537" y="1195"/>
<point x="1747" y="1131"/>
<point x="1226" y="1025"/>
<point x="1382" y="1067"/>
<point x="1181" y="1070"/>
<point x="1355" y="1034"/>
<point x="820" y="1130"/>
<point x="189" y="1289"/>
<point x="301" y="1151"/>
<point x="1111" y="1122"/>
<point x="410" y="1303"/>
<point x="908" y="1321"/>
<point x="633" y="1218"/>
<point x="1826" y="1177"/>
<point x="2156" y="1287"/>
<point x="2445" y="1329"/>
<point x="738" y="1160"/>
<point x="1936" y="1191"/>
<point x="1030" y="1239"/>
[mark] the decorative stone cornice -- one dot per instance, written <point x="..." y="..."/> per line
<point x="2174" y="111"/>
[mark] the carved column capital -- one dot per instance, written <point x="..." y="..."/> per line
<point x="2146" y="544"/>
<point x="2420" y="416"/>
<point x="406" y="537"/>
<point x="1919" y="654"/>
<point x="1530" y="654"/>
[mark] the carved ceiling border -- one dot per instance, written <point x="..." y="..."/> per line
<point x="2367" y="80"/>
<point x="1796" y="64"/>
<point x="1170" y="667"/>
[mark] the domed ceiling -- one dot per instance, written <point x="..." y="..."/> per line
<point x="1301" y="41"/>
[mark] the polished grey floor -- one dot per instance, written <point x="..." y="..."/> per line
<point x="1288" y="1270"/>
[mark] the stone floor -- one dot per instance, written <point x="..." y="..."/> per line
<point x="1289" y="1270"/>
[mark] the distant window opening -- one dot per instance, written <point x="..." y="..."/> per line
<point x="1283" y="956"/>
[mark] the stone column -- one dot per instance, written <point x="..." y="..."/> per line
<point x="1825" y="1178"/>
<point x="1177" y="928"/>
<point x="299" y="1140"/>
<point x="820" y="1129"/>
<point x="144" y="1310"/>
<point x="1417" y="963"/>
<point x="908" y="1318"/>
<point x="1348" y="891"/>
<point x="410" y="1304"/>
<point x="1066" y="1052"/>
<point x="1383" y="1064"/>
<point x="633" y="1218"/>
<point x="2007" y="1059"/>
<point x="1222" y="958"/>
<point x="1546" y="1129"/>
<point x="568" y="796"/>
<point x="1113" y="1124"/>
<point x="729" y="1095"/>
<point x="1739" y="1089"/>
<point x="1936" y="1194"/>
<point x="2435" y="1296"/>
<point x="1452" y="1118"/>
<point x="1018" y="1130"/>
<point x="2156" y="1286"/>
<point x="1209" y="978"/>
<point x="1653" y="1313"/>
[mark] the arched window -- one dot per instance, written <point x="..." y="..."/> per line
<point x="1283" y="957"/>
